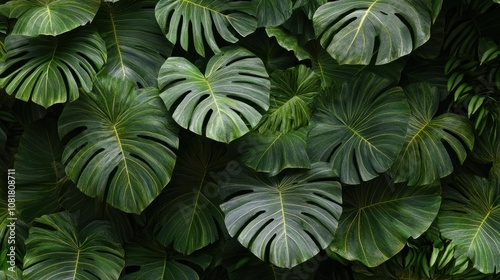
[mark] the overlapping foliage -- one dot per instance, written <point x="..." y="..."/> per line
<point x="221" y="139"/>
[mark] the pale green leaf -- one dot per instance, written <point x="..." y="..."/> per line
<point x="355" y="31"/>
<point x="286" y="219"/>
<point x="225" y="102"/>
<point x="121" y="143"/>
<point x="378" y="217"/>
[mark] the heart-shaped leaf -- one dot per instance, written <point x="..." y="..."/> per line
<point x="121" y="143"/>
<point x="378" y="217"/>
<point x="470" y="217"/>
<point x="50" y="17"/>
<point x="286" y="219"/>
<point x="359" y="128"/>
<point x="58" y="249"/>
<point x="424" y="157"/>
<point x="225" y="102"/>
<point x="49" y="70"/>
<point x="350" y="29"/>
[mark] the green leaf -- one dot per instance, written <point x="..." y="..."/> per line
<point x="288" y="42"/>
<point x="225" y="102"/>
<point x="50" y="17"/>
<point x="286" y="219"/>
<point x="58" y="249"/>
<point x="39" y="170"/>
<point x="272" y="13"/>
<point x="273" y="152"/>
<point x="149" y="260"/>
<point x="378" y="217"/>
<point x="187" y="214"/>
<point x="125" y="27"/>
<point x="359" y="128"/>
<point x="198" y="17"/>
<point x="49" y="70"/>
<point x="354" y="31"/>
<point x="487" y="149"/>
<point x="292" y="94"/>
<point x="424" y="157"/>
<point x="470" y="217"/>
<point x="121" y="143"/>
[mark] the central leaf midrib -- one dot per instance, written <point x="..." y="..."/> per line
<point x="361" y="23"/>
<point x="194" y="207"/>
<point x="282" y="207"/>
<point x="129" y="184"/>
<point x="214" y="98"/>
<point x="479" y="229"/>
<point x="118" y="50"/>
<point x="76" y="263"/>
<point x="203" y="7"/>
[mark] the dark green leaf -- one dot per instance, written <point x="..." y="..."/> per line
<point x="121" y="144"/>
<point x="288" y="42"/>
<point x="187" y="214"/>
<point x="470" y="217"/>
<point x="50" y="17"/>
<point x="273" y="152"/>
<point x="272" y="12"/>
<point x="136" y="46"/>
<point x="225" y="102"/>
<point x="360" y="130"/>
<point x="424" y="157"/>
<point x="39" y="170"/>
<point x="354" y="31"/>
<point x="197" y="18"/>
<point x="58" y="249"/>
<point x="286" y="219"/>
<point x="378" y="217"/>
<point x="49" y="70"/>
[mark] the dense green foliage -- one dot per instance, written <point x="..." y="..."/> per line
<point x="262" y="139"/>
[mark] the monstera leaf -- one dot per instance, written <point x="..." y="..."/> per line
<point x="50" y="17"/>
<point x="424" y="157"/>
<point x="198" y="18"/>
<point x="149" y="260"/>
<point x="220" y="103"/>
<point x="361" y="131"/>
<point x="120" y="144"/>
<point x="49" y="70"/>
<point x="470" y="217"/>
<point x="58" y="249"/>
<point x="187" y="214"/>
<point x="125" y="26"/>
<point x="354" y="31"/>
<point x="39" y="170"/>
<point x="378" y="217"/>
<point x="273" y="152"/>
<point x="272" y="13"/>
<point x="292" y="94"/>
<point x="286" y="219"/>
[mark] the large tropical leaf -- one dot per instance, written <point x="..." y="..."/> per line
<point x="225" y="102"/>
<point x="121" y="142"/>
<point x="273" y="152"/>
<point x="470" y="217"/>
<point x="487" y="149"/>
<point x="58" y="249"/>
<point x="125" y="27"/>
<point x="49" y="70"/>
<point x="288" y="42"/>
<point x="187" y="213"/>
<point x="50" y="17"/>
<point x="272" y="13"/>
<point x="378" y="217"/>
<point x="292" y="94"/>
<point x="354" y="31"/>
<point x="361" y="129"/>
<point x="286" y="219"/>
<point x="39" y="170"/>
<point x="197" y="18"/>
<point x="149" y="260"/>
<point x="424" y="157"/>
